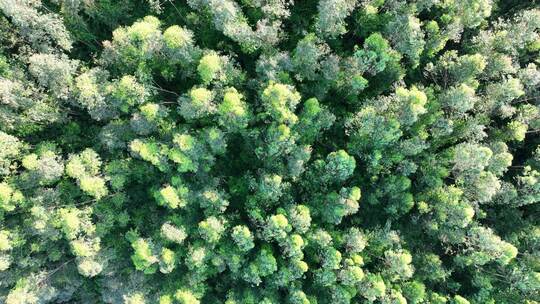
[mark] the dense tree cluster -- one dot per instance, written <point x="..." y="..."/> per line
<point x="270" y="151"/>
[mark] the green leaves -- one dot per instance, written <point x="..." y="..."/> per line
<point x="85" y="168"/>
<point x="172" y="197"/>
<point x="177" y="37"/>
<point x="243" y="237"/>
<point x="340" y="165"/>
<point x="233" y="111"/>
<point x="331" y="17"/>
<point x="280" y="101"/>
<point x="197" y="104"/>
<point x="375" y="54"/>
<point x="143" y="257"/>
<point x="9" y="197"/>
<point x="264" y="152"/>
<point x="211" y="229"/>
<point x="209" y="67"/>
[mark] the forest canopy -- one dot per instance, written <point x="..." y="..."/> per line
<point x="270" y="151"/>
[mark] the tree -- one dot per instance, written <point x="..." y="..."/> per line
<point x="243" y="238"/>
<point x="42" y="31"/>
<point x="406" y="34"/>
<point x="269" y="151"/>
<point x="85" y="167"/>
<point x="280" y="101"/>
<point x="54" y="73"/>
<point x="331" y="17"/>
<point x="233" y="111"/>
<point x="10" y="149"/>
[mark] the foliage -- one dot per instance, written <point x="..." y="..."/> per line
<point x="269" y="151"/>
